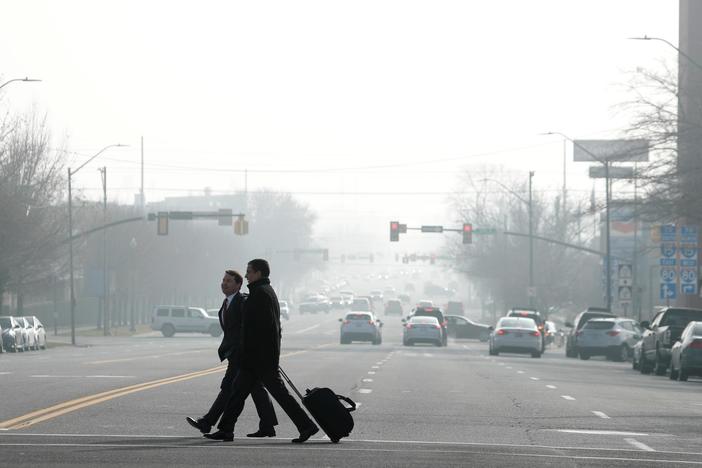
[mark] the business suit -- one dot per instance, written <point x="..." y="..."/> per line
<point x="259" y="356"/>
<point x="230" y="318"/>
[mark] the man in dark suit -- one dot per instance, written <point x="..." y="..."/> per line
<point x="259" y="356"/>
<point x="230" y="318"/>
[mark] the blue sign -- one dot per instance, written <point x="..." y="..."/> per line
<point x="668" y="250"/>
<point x="668" y="232"/>
<point x="668" y="275"/>
<point x="688" y="230"/>
<point x="688" y="289"/>
<point x="688" y="250"/>
<point x="688" y="275"/>
<point x="667" y="262"/>
<point x="668" y="291"/>
<point x="686" y="262"/>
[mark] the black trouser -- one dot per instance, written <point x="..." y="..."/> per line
<point x="245" y="383"/>
<point x="264" y="406"/>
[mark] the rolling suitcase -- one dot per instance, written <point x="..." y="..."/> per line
<point x="327" y="409"/>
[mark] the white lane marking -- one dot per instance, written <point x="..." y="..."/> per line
<point x="45" y="376"/>
<point x="379" y="363"/>
<point x="567" y="397"/>
<point x="406" y="391"/>
<point x="366" y="380"/>
<point x="427" y="355"/>
<point x="371" y="372"/>
<point x="455" y="391"/>
<point x="595" y="432"/>
<point x="305" y="329"/>
<point x="5" y="373"/>
<point x="375" y="367"/>
<point x="552" y="387"/>
<point x="639" y="445"/>
<point x="520" y="372"/>
<point x="534" y="378"/>
<point x="358" y="404"/>
<point x="365" y="390"/>
<point x="500" y="363"/>
<point x="600" y="414"/>
<point x="508" y="367"/>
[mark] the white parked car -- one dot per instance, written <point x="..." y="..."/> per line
<point x="170" y="320"/>
<point x="614" y="338"/>
<point x="284" y="310"/>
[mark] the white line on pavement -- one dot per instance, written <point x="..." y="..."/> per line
<point x="534" y="378"/>
<point x="639" y="445"/>
<point x="520" y="372"/>
<point x="365" y="390"/>
<point x="305" y="329"/>
<point x="5" y="373"/>
<point x="375" y="367"/>
<point x="567" y="397"/>
<point x="552" y="387"/>
<point x="600" y="414"/>
<point x="371" y="372"/>
<point x="595" y="432"/>
<point x="367" y="380"/>
<point x="508" y="367"/>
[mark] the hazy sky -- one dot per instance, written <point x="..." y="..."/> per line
<point x="383" y="96"/>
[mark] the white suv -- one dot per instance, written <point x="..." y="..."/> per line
<point x="611" y="337"/>
<point x="171" y="319"/>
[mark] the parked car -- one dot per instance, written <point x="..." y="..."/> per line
<point x="459" y="326"/>
<point x="39" y="331"/>
<point x="516" y="335"/>
<point x="12" y="336"/>
<point x="611" y="337"/>
<point x="686" y="353"/>
<point x="578" y="323"/>
<point x="393" y="306"/>
<point x="660" y="335"/>
<point x="420" y="329"/>
<point x="284" y="310"/>
<point x="27" y="334"/>
<point x="360" y="326"/>
<point x="170" y="320"/>
<point x="435" y="312"/>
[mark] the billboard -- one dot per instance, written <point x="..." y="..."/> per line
<point x="610" y="150"/>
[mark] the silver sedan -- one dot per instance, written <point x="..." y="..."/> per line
<point x="422" y="330"/>
<point x="516" y="335"/>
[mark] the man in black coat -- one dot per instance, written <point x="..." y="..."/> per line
<point x="259" y="356"/>
<point x="230" y="318"/>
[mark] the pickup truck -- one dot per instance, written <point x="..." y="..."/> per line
<point x="660" y="335"/>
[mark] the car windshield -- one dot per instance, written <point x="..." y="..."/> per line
<point x="590" y="315"/>
<point x="599" y="325"/>
<point x="358" y="317"/>
<point x="681" y="317"/>
<point x="424" y="320"/>
<point x="30" y="320"/>
<point x="516" y="323"/>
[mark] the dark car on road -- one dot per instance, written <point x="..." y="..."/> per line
<point x="578" y="323"/>
<point x="686" y="354"/>
<point x="660" y="335"/>
<point x="463" y="327"/>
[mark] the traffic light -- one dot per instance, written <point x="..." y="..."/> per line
<point x="241" y="226"/>
<point x="467" y="233"/>
<point x="162" y="223"/>
<point x="394" y="231"/>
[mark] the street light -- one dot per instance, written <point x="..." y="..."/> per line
<point x="647" y="38"/>
<point x="18" y="79"/>
<point x="70" y="237"/>
<point x="608" y="272"/>
<point x="529" y="204"/>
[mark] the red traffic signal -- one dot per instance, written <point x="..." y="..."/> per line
<point x="467" y="233"/>
<point x="394" y="231"/>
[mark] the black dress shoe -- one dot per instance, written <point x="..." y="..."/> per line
<point x="220" y="435"/>
<point x="306" y="434"/>
<point x="262" y="433"/>
<point x="199" y="424"/>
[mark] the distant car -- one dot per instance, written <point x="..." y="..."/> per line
<point x="347" y="297"/>
<point x="39" y="331"/>
<point x="550" y="332"/>
<point x="422" y="330"/>
<point x="432" y="289"/>
<point x="405" y="298"/>
<point x="360" y="326"/>
<point x="611" y="337"/>
<point x="362" y="304"/>
<point x="686" y="354"/>
<point x="516" y="335"/>
<point x="12" y="336"/>
<point x="170" y="320"/>
<point x="437" y="313"/>
<point x="534" y="315"/>
<point x="393" y="306"/>
<point x="660" y="335"/>
<point x="337" y="302"/>
<point x="463" y="327"/>
<point x="454" y="308"/>
<point x="389" y="293"/>
<point x="314" y="303"/>
<point x="284" y="310"/>
<point x="425" y="303"/>
<point x="376" y="295"/>
<point x="578" y="323"/>
<point x="28" y="334"/>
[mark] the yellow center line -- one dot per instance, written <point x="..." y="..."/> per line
<point x="149" y="356"/>
<point x="29" y="419"/>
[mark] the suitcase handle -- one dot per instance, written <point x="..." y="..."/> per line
<point x="287" y="379"/>
<point x="349" y="401"/>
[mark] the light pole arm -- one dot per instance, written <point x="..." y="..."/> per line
<point x="647" y="38"/>
<point x="72" y="172"/>
<point x="512" y="192"/>
<point x="17" y="79"/>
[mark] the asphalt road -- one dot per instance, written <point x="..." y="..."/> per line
<point x="122" y="402"/>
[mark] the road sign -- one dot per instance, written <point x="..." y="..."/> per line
<point x="667" y="262"/>
<point x="668" y="232"/>
<point x="688" y="251"/>
<point x="432" y="229"/>
<point x="688" y="289"/>
<point x="625" y="293"/>
<point x="624" y="271"/>
<point x="668" y="249"/>
<point x="668" y="275"/>
<point x="618" y="172"/>
<point x="688" y="275"/>
<point x="667" y="291"/>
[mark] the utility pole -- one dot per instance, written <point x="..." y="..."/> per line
<point x="608" y="273"/>
<point x="105" y="279"/>
<point x="531" y="244"/>
<point x="142" y="198"/>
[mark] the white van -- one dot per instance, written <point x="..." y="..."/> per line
<point x="170" y="320"/>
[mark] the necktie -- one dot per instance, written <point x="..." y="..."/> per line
<point x="224" y="311"/>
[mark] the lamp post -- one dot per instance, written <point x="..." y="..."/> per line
<point x="17" y="79"/>
<point x="71" y="173"/>
<point x="608" y="272"/>
<point x="647" y="38"/>
<point x="529" y="204"/>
